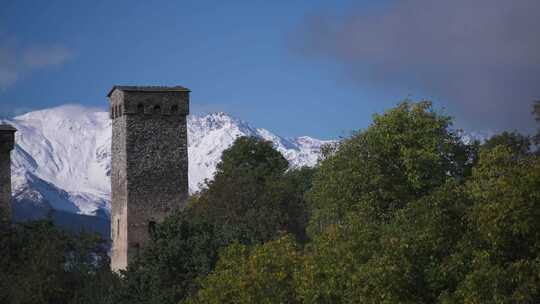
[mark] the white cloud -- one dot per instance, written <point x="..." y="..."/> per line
<point x="17" y="62"/>
<point x="7" y="77"/>
<point x="42" y="57"/>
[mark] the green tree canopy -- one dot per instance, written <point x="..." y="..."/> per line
<point x="185" y="247"/>
<point x="406" y="259"/>
<point x="519" y="144"/>
<point x="250" y="196"/>
<point x="41" y="264"/>
<point x="251" y="154"/>
<point x="500" y="256"/>
<point x="262" y="274"/>
<point x="404" y="154"/>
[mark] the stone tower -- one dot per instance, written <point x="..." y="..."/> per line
<point x="149" y="163"/>
<point x="7" y="141"/>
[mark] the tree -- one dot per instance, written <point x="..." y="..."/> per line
<point x="402" y="260"/>
<point x="251" y="154"/>
<point x="262" y="274"/>
<point x="41" y="264"/>
<point x="287" y="193"/>
<point x="504" y="254"/>
<point x="519" y="144"/>
<point x="185" y="247"/>
<point x="245" y="199"/>
<point x="404" y="154"/>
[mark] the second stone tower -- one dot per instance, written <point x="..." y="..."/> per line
<point x="149" y="163"/>
<point x="7" y="143"/>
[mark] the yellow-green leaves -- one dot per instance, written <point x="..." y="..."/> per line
<point x="262" y="274"/>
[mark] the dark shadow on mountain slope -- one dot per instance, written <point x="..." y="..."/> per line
<point x="24" y="210"/>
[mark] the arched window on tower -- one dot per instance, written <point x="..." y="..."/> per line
<point x="120" y="110"/>
<point x="157" y="109"/>
<point x="174" y="108"/>
<point x="140" y="108"/>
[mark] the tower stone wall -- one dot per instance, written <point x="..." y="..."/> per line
<point x="7" y="142"/>
<point x="149" y="176"/>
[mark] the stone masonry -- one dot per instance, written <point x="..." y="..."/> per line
<point x="7" y="141"/>
<point x="149" y="163"/>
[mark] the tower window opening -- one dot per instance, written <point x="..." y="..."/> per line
<point x="120" y="110"/>
<point x="137" y="247"/>
<point x="152" y="227"/>
<point x="118" y="227"/>
<point x="140" y="108"/>
<point x="174" y="108"/>
<point x="157" y="108"/>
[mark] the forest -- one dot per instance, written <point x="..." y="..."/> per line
<point x="403" y="211"/>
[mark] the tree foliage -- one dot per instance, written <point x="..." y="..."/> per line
<point x="519" y="145"/>
<point x="184" y="248"/>
<point x="246" y="198"/>
<point x="41" y="264"/>
<point x="404" y="154"/>
<point x="404" y="212"/>
<point x="504" y="246"/>
<point x="261" y="274"/>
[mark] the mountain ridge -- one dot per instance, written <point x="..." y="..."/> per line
<point x="61" y="160"/>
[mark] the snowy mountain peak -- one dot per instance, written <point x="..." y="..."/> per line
<point x="62" y="157"/>
<point x="216" y="121"/>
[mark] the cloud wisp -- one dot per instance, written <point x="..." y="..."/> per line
<point x="17" y="62"/>
<point x="480" y="58"/>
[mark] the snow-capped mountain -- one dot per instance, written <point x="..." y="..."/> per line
<point x="62" y="156"/>
<point x="209" y="135"/>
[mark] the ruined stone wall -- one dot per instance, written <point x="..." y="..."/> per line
<point x="5" y="184"/>
<point x="150" y="165"/>
<point x="6" y="145"/>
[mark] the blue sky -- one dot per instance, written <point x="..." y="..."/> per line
<point x="271" y="63"/>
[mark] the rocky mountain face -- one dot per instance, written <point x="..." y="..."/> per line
<point x="61" y="164"/>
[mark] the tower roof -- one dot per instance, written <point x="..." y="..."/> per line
<point x="148" y="89"/>
<point x="6" y="127"/>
